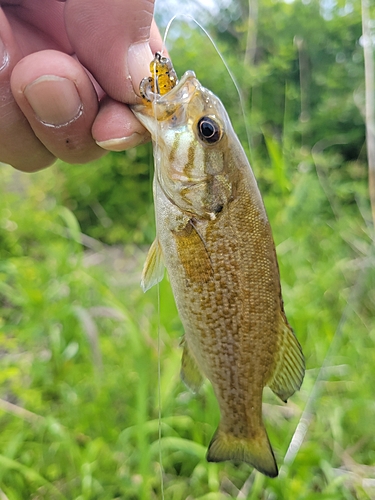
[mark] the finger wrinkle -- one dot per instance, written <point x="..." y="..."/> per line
<point x="7" y="108"/>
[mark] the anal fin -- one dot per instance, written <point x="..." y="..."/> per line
<point x="289" y="370"/>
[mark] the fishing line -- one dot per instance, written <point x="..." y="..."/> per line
<point x="161" y="468"/>
<point x="155" y="195"/>
<point x="159" y="397"/>
<point x="159" y="379"/>
<point x="189" y="17"/>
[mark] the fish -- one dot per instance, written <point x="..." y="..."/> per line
<point x="214" y="238"/>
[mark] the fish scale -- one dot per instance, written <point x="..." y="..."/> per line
<point x="214" y="238"/>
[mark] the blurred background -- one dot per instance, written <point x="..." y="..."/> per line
<point x="79" y="411"/>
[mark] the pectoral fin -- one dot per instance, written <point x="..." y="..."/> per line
<point x="190" y="372"/>
<point x="153" y="269"/>
<point x="289" y="370"/>
<point x="193" y="254"/>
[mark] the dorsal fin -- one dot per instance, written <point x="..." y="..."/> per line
<point x="289" y="370"/>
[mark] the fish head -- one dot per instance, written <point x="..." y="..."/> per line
<point x="195" y="147"/>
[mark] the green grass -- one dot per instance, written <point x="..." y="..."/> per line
<point x="79" y="357"/>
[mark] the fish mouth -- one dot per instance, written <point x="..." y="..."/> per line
<point x="175" y="92"/>
<point x="161" y="107"/>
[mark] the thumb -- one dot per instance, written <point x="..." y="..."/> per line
<point x="111" y="39"/>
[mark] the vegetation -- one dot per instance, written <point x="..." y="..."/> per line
<point x="80" y="344"/>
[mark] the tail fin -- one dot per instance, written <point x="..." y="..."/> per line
<point x="256" y="451"/>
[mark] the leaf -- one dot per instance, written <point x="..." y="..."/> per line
<point x="277" y="161"/>
<point x="71" y="223"/>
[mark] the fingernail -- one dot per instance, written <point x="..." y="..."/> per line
<point x="4" y="56"/>
<point x="139" y="59"/>
<point x="55" y="100"/>
<point x="124" y="143"/>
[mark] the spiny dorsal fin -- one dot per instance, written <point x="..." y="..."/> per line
<point x="153" y="269"/>
<point x="289" y="370"/>
<point x="190" y="372"/>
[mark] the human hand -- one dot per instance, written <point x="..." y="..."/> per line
<point x="49" y="106"/>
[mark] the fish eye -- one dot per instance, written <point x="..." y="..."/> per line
<point x="209" y="130"/>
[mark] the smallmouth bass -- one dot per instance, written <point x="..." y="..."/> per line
<point x="214" y="238"/>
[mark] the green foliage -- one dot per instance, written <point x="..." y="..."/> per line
<point x="80" y="359"/>
<point x="112" y="199"/>
<point x="80" y="343"/>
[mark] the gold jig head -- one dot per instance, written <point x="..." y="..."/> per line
<point x="163" y="79"/>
